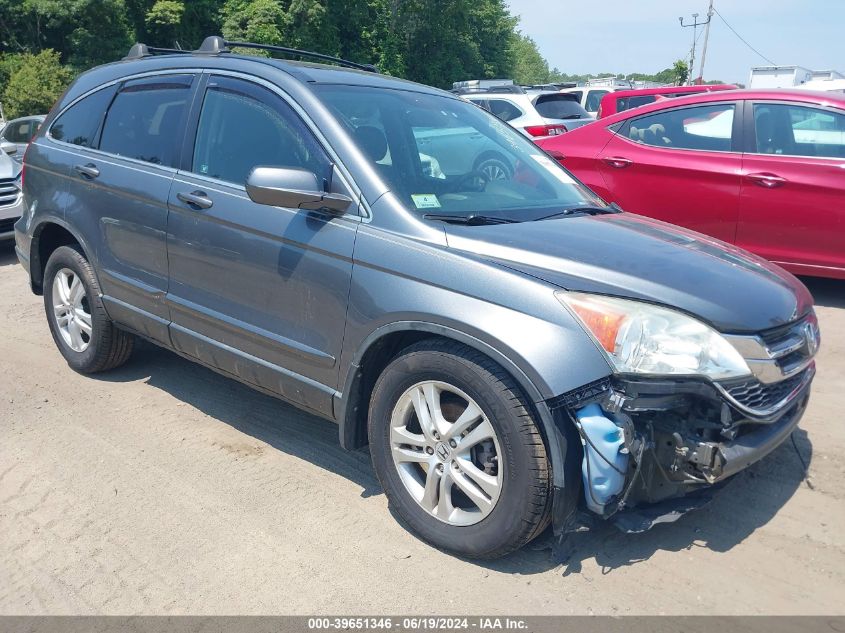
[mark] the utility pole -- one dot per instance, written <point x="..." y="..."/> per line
<point x="695" y="24"/>
<point x="704" y="48"/>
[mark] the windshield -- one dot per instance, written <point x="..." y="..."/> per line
<point x="442" y="155"/>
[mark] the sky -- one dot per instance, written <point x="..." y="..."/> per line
<point x="625" y="36"/>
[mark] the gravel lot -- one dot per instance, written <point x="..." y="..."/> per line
<point x="163" y="488"/>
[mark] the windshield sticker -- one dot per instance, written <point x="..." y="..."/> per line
<point x="425" y="200"/>
<point x="554" y="169"/>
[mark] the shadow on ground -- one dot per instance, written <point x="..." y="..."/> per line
<point x="7" y="253"/>
<point x="829" y="293"/>
<point x="747" y="503"/>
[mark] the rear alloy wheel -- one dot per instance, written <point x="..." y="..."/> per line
<point x="71" y="309"/>
<point x="82" y="330"/>
<point x="457" y="450"/>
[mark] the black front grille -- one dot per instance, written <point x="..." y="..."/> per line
<point x="758" y="396"/>
<point x="7" y="225"/>
<point x="8" y="192"/>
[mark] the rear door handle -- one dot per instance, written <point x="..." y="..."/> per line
<point x="196" y="199"/>
<point x="88" y="171"/>
<point x="769" y="181"/>
<point x="618" y="162"/>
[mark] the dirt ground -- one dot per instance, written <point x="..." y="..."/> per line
<point x="163" y="488"/>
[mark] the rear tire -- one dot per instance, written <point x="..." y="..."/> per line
<point x="82" y="330"/>
<point x="496" y="473"/>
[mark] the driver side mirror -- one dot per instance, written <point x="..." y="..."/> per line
<point x="293" y="189"/>
<point x="8" y="148"/>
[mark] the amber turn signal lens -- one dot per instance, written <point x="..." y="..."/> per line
<point x="603" y="323"/>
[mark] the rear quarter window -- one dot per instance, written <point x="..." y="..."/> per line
<point x="78" y="124"/>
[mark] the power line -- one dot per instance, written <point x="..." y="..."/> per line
<point x="742" y="38"/>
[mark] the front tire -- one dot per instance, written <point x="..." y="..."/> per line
<point x="458" y="452"/>
<point x="82" y="330"/>
<point x="495" y="168"/>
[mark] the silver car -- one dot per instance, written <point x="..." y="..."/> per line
<point x="534" y="113"/>
<point x="20" y="132"/>
<point x="11" y="201"/>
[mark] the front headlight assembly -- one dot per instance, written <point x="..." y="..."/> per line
<point x="641" y="338"/>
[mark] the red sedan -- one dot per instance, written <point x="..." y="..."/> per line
<point x="622" y="100"/>
<point x="764" y="170"/>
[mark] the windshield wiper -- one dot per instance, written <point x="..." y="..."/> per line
<point x="472" y="219"/>
<point x="588" y="209"/>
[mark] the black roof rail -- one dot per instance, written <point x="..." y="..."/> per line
<point x="139" y="51"/>
<point x="215" y="45"/>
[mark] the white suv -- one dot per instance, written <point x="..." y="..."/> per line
<point x="535" y="113"/>
<point x="589" y="98"/>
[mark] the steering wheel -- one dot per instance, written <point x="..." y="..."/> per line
<point x="471" y="181"/>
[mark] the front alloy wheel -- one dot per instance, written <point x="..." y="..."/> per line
<point x="458" y="451"/>
<point x="446" y="453"/>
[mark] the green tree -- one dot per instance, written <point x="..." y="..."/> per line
<point x="166" y="22"/>
<point x="84" y="32"/>
<point x="36" y="84"/>
<point x="163" y="21"/>
<point x="680" y="71"/>
<point x="9" y="64"/>
<point x="529" y="66"/>
<point x="261" y="21"/>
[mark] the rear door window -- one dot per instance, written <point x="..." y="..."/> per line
<point x="796" y="130"/>
<point x="705" y="128"/>
<point x="505" y="110"/>
<point x="78" y="124"/>
<point x="147" y="118"/>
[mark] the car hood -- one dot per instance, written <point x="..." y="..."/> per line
<point x="8" y="167"/>
<point x="631" y="256"/>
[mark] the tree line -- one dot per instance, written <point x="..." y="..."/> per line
<point x="45" y="43"/>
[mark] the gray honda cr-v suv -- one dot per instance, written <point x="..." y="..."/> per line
<point x="514" y="351"/>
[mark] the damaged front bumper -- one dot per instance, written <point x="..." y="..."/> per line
<point x="653" y="450"/>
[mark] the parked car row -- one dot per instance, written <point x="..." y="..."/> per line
<point x="759" y="169"/>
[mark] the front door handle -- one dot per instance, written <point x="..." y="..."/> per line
<point x="618" y="162"/>
<point x="196" y="199"/>
<point x="769" y="181"/>
<point x="88" y="171"/>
